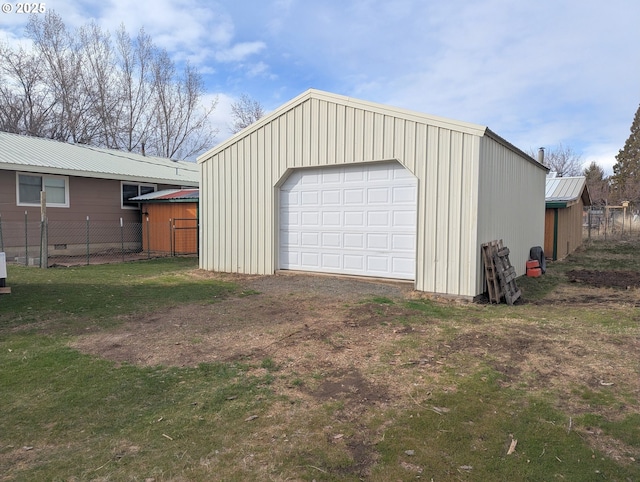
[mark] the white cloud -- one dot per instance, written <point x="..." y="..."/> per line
<point x="538" y="73"/>
<point x="239" y="52"/>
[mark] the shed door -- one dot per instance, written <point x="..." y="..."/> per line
<point x="356" y="219"/>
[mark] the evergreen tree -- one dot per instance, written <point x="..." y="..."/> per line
<point x="626" y="170"/>
<point x="597" y="184"/>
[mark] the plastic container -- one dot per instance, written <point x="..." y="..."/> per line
<point x="534" y="272"/>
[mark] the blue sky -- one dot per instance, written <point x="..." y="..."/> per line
<point x="537" y="73"/>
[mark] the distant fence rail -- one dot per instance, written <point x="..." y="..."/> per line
<point x="67" y="243"/>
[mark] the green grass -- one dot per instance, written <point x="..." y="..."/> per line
<point x="85" y="417"/>
<point x="71" y="416"/>
<point x="473" y="429"/>
<point x="102" y="292"/>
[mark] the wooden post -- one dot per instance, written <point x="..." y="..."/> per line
<point x="44" y="235"/>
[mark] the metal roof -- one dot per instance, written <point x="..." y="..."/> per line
<point x="455" y="125"/>
<point x="46" y="156"/>
<point x="566" y="189"/>
<point x="191" y="195"/>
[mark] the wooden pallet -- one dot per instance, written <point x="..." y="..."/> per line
<point x="501" y="276"/>
<point x="493" y="282"/>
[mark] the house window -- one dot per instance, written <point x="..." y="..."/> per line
<point x="130" y="190"/>
<point x="30" y="186"/>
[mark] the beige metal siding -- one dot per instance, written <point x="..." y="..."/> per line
<point x="240" y="184"/>
<point x="511" y="202"/>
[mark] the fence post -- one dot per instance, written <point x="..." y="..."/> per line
<point x="44" y="240"/>
<point x="122" y="239"/>
<point x="1" y="240"/>
<point x="26" y="239"/>
<point x="88" y="249"/>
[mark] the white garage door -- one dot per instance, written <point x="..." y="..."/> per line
<point x="355" y="219"/>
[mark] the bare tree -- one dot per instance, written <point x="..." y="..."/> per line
<point x="99" y="79"/>
<point x="86" y="87"/>
<point x="244" y="112"/>
<point x="136" y="88"/>
<point x="26" y="102"/>
<point x="182" y="128"/>
<point x="62" y="65"/>
<point x="563" y="160"/>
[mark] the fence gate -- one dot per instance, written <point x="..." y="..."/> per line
<point x="184" y="236"/>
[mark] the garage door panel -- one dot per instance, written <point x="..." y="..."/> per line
<point x="403" y="265"/>
<point x="331" y="240"/>
<point x="354" y="175"/>
<point x="379" y="173"/>
<point x="404" y="195"/>
<point x="291" y="238"/>
<point x="310" y="178"/>
<point x="353" y="262"/>
<point x="378" y="264"/>
<point x="378" y="195"/>
<point x="331" y="197"/>
<point x="331" y="219"/>
<point x="331" y="261"/>
<point x="289" y="198"/>
<point x="310" y="198"/>
<point x="290" y="219"/>
<point x="378" y="219"/>
<point x="403" y="242"/>
<point x="354" y="196"/>
<point x="310" y="240"/>
<point x="310" y="219"/>
<point x="310" y="260"/>
<point x="378" y="241"/>
<point x="403" y="219"/>
<point x="354" y="219"/>
<point x="353" y="241"/>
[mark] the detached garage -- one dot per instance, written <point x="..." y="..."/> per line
<point x="332" y="184"/>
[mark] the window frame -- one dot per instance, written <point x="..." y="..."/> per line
<point x="138" y="185"/>
<point x="50" y="204"/>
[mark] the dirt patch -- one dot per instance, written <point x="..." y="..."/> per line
<point x="606" y="279"/>
<point x="357" y="343"/>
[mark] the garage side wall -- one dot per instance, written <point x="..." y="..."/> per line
<point x="511" y="203"/>
<point x="239" y="186"/>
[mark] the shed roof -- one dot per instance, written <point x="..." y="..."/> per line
<point x="170" y="195"/>
<point x="566" y="190"/>
<point x="46" y="156"/>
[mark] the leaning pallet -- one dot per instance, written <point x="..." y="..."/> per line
<point x="501" y="276"/>
<point x="493" y="283"/>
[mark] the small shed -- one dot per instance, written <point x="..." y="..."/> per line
<point x="170" y="221"/>
<point x="332" y="184"/>
<point x="565" y="198"/>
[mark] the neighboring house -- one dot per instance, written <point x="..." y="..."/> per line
<point x="170" y="221"/>
<point x="81" y="182"/>
<point x="332" y="184"/>
<point x="565" y="199"/>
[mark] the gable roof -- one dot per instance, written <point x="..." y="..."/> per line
<point x="454" y="125"/>
<point x="564" y="191"/>
<point x="46" y="156"/>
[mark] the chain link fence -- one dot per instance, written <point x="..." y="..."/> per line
<point x="72" y="243"/>
<point x="611" y="223"/>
